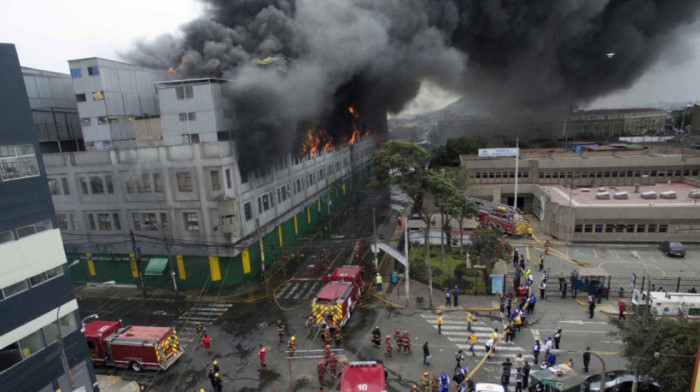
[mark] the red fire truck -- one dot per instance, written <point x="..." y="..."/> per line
<point x="134" y="347"/>
<point x="336" y="300"/>
<point x="365" y="376"/>
<point x="501" y="216"/>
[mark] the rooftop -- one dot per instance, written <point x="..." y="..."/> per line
<point x="617" y="111"/>
<point x="586" y="197"/>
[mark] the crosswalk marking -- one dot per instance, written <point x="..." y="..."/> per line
<point x="205" y="314"/>
<point x="299" y="289"/>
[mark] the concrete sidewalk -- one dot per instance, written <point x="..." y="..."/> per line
<point x="116" y="384"/>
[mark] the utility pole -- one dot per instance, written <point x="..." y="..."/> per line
<point x="517" y="156"/>
<point x="170" y="261"/>
<point x="137" y="257"/>
<point x="262" y="250"/>
<point x="376" y="246"/>
<point x="568" y="221"/>
<point x="408" y="261"/>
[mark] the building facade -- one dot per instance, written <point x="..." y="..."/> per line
<point x="182" y="194"/>
<point x="54" y="110"/>
<point x="615" y="122"/>
<point x="546" y="180"/>
<point x="110" y="95"/>
<point x="36" y="295"/>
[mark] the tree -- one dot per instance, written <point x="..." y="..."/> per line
<point x="662" y="348"/>
<point x="448" y="155"/>
<point x="488" y="246"/>
<point x="404" y="164"/>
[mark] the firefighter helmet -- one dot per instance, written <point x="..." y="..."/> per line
<point x="388" y="336"/>
<point x="397" y="330"/>
<point x="405" y="331"/>
<point x="215" y="363"/>
<point x="216" y="375"/>
<point x="376" y="327"/>
<point x="426" y="374"/>
<point x="279" y="322"/>
<point x="293" y="338"/>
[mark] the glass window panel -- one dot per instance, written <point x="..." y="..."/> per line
<point x="9" y="169"/>
<point x="6" y="236"/>
<point x="36" y="279"/>
<point x="28" y="166"/>
<point x="25" y="149"/>
<point x="104" y="222"/>
<point x="50" y="333"/>
<point x="15" y="288"/>
<point x="53" y="186"/>
<point x="96" y="185"/>
<point x="84" y="186"/>
<point x="10" y="356"/>
<point x="26" y="231"/>
<point x="91" y="221"/>
<point x="31" y="344"/>
<point x="117" y="222"/>
<point x="136" y="222"/>
<point x="76" y="73"/>
<point x="68" y="323"/>
<point x="43" y="226"/>
<point x="164" y="219"/>
<point x="109" y="184"/>
<point x="157" y="183"/>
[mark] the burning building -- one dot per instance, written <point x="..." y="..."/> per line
<point x="172" y="166"/>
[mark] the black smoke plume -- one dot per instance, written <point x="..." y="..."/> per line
<point x="531" y="55"/>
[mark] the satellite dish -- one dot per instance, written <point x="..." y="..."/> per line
<point x="610" y="55"/>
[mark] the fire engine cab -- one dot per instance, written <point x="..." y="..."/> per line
<point x="135" y="347"/>
<point x="336" y="300"/>
<point x="364" y="376"/>
<point x="501" y="217"/>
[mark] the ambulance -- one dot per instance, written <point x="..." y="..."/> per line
<point x="663" y="304"/>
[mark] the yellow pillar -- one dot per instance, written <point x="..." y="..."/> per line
<point x="245" y="257"/>
<point x="181" y="267"/>
<point x="279" y="234"/>
<point x="134" y="267"/>
<point x="214" y="268"/>
<point x="91" y="265"/>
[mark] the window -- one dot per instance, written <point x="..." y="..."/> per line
<point x="117" y="222"/>
<point x="53" y="186"/>
<point x="144" y="184"/>
<point x="248" y="211"/>
<point x="157" y="184"/>
<point x="62" y="221"/>
<point x="609" y="228"/>
<point x="80" y="98"/>
<point x="149" y="221"/>
<point x="189" y="92"/>
<point x="180" y="92"/>
<point x="11" y="355"/>
<point x="663" y="228"/>
<point x="67" y="323"/>
<point x="164" y="220"/>
<point x="191" y="221"/>
<point x="641" y="228"/>
<point x="31" y="344"/>
<point x="18" y="162"/>
<point x="64" y="184"/>
<point x="184" y="182"/>
<point x="91" y="222"/>
<point x="104" y="222"/>
<point x="598" y="228"/>
<point x="92" y="71"/>
<point x="15" y="288"/>
<point x="73" y="221"/>
<point x="191" y="116"/>
<point x="629" y="229"/>
<point x="244" y="177"/>
<point x="85" y="121"/>
<point x="135" y="222"/>
<point x="194" y="138"/>
<point x="588" y="229"/>
<point x="96" y="185"/>
<point x="76" y="73"/>
<point x="651" y="228"/>
<point x="46" y="275"/>
<point x="182" y="116"/>
<point x="578" y="228"/>
<point x="102" y="120"/>
<point x="33" y="229"/>
<point x="6" y="236"/>
<point x="228" y="179"/>
<point x="130" y="186"/>
<point x="215" y="180"/>
<point x="84" y="186"/>
<point x="99" y="96"/>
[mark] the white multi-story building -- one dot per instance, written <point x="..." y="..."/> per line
<point x="183" y="187"/>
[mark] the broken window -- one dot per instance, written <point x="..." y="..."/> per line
<point x="92" y="71"/>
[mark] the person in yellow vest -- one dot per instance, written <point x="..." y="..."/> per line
<point x="494" y="334"/>
<point x="470" y="319"/>
<point x="439" y="323"/>
<point x="379" y="283"/>
<point x="529" y="233"/>
<point x="472" y="341"/>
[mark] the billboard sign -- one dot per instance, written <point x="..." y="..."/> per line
<point x="498" y="152"/>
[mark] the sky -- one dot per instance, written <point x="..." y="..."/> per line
<point x="47" y="33"/>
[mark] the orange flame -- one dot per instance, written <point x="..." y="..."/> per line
<point x="353" y="112"/>
<point x="315" y="139"/>
<point x="179" y="65"/>
<point x="355" y="134"/>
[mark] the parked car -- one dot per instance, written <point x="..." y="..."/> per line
<point x="620" y="381"/>
<point x="672" y="248"/>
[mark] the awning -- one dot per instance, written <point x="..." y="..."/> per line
<point x="156" y="266"/>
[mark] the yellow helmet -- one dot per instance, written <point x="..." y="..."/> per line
<point x="426" y="374"/>
<point x="293" y="338"/>
<point x="216" y="375"/>
<point x="215" y="362"/>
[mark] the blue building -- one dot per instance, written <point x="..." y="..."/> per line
<point x="37" y="303"/>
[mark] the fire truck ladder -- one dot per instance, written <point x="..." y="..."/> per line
<point x="491" y="206"/>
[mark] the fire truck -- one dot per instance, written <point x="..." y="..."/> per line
<point x="336" y="300"/>
<point x="501" y="217"/>
<point x="663" y="304"/>
<point x="133" y="347"/>
<point x="365" y="376"/>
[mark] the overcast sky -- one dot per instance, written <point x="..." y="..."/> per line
<point x="47" y="33"/>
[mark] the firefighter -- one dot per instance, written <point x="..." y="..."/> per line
<point x="377" y="337"/>
<point x="398" y="339"/>
<point x="387" y="345"/>
<point x="406" y="342"/>
<point x="261" y="354"/>
<point x="321" y="370"/>
<point x="292" y="346"/>
<point x="200" y="330"/>
<point x="206" y="342"/>
<point x="327" y="353"/>
<point x="333" y="364"/>
<point x="436" y="383"/>
<point x="281" y="330"/>
<point x="338" y="336"/>
<point x="414" y="388"/>
<point x="217" y="382"/>
<point x="425" y="382"/>
<point x="327" y="334"/>
<point x="212" y="379"/>
<point x="310" y="326"/>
